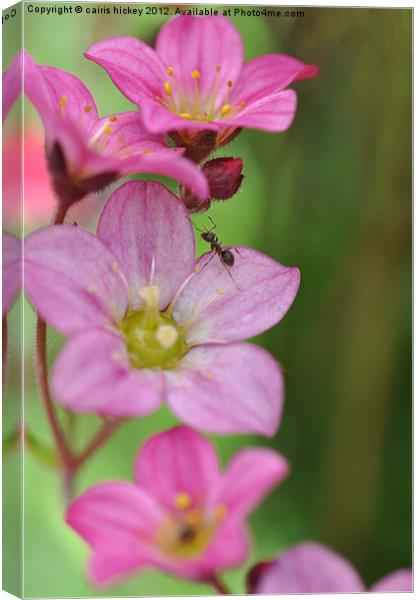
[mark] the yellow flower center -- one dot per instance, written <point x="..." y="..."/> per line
<point x="195" y="105"/>
<point x="153" y="339"/>
<point x="188" y="532"/>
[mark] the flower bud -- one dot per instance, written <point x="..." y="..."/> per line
<point x="254" y="574"/>
<point x="224" y="177"/>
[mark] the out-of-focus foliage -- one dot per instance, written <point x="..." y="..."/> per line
<point x="333" y="196"/>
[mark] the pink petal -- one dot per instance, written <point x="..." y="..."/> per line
<point x="144" y="222"/>
<point x="119" y="521"/>
<point x="133" y="66"/>
<point x="12" y="83"/>
<point x="270" y="113"/>
<point x="170" y="163"/>
<point x="115" y="512"/>
<point x="92" y="374"/>
<point x="211" y="42"/>
<point x="72" y="279"/>
<point x="229" y="549"/>
<point x="158" y="119"/>
<point x="269" y="74"/>
<point x="36" y="88"/>
<point x="252" y="473"/>
<point x="309" y="568"/>
<point x="128" y="135"/>
<point x="175" y="461"/>
<point x="109" y="567"/>
<point x="214" y="307"/>
<point x="397" y="581"/>
<point x="136" y="150"/>
<point x="12" y="267"/>
<point x="61" y="85"/>
<point x="227" y="389"/>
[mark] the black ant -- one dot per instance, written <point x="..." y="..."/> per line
<point x="225" y="255"/>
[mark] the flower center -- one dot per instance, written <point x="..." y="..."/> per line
<point x="153" y="339"/>
<point x="193" y="104"/>
<point x="188" y="533"/>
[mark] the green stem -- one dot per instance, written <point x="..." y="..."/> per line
<point x="4" y="350"/>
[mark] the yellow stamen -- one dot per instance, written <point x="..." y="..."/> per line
<point x="220" y="512"/>
<point x="146" y="151"/>
<point x="62" y="102"/>
<point x="182" y="500"/>
<point x="170" y="71"/>
<point x="193" y="517"/>
<point x="87" y="108"/>
<point x="108" y="129"/>
<point x="242" y="104"/>
<point x="196" y="74"/>
<point x="168" y="88"/>
<point x="113" y="119"/>
<point x="225" y="110"/>
<point x="185" y="115"/>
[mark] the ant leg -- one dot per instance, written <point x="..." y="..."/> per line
<point x="236" y="249"/>
<point x="238" y="252"/>
<point x="230" y="275"/>
<point x="208" y="262"/>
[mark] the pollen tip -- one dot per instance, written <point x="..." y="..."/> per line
<point x="167" y="336"/>
<point x="92" y="289"/>
<point x="146" y="151"/>
<point x="220" y="512"/>
<point x="225" y="110"/>
<point x="108" y="130"/>
<point x="217" y="69"/>
<point x="196" y="74"/>
<point x="242" y="104"/>
<point x="221" y="290"/>
<point x="170" y="71"/>
<point x="229" y="83"/>
<point x="168" y="88"/>
<point x="63" y="101"/>
<point x="193" y="517"/>
<point x="185" y="115"/>
<point x="182" y="500"/>
<point x="88" y="108"/>
<point x="113" y="119"/>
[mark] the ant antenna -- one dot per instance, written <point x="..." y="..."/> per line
<point x="214" y="225"/>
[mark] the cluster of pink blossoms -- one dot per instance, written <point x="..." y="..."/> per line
<point x="149" y="323"/>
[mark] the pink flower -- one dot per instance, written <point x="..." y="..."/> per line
<point x="182" y="515"/>
<point x="196" y="79"/>
<point x="148" y="323"/>
<point x="12" y="84"/>
<point x="11" y="267"/>
<point x="86" y="153"/>
<point x="39" y="200"/>
<point x="310" y="568"/>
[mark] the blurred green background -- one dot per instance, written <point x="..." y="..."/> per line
<point x="332" y="195"/>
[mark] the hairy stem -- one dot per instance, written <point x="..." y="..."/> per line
<point x="42" y="368"/>
<point x="97" y="441"/>
<point x="4" y="350"/>
<point x="219" y="587"/>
